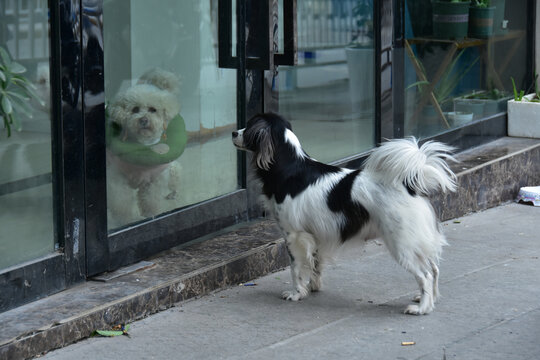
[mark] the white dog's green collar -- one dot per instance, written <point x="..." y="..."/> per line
<point x="167" y="150"/>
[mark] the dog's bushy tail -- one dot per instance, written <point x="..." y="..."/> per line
<point x="422" y="170"/>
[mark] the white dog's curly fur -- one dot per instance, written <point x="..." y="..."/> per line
<point x="136" y="192"/>
<point x="319" y="206"/>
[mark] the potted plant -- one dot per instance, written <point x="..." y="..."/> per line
<point x="524" y="113"/>
<point x="15" y="93"/>
<point x="492" y="101"/>
<point x="444" y="89"/>
<point x="481" y="19"/>
<point x="360" y="56"/>
<point x="450" y="18"/>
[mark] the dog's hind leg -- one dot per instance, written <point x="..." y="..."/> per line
<point x="435" y="272"/>
<point x="315" y="283"/>
<point x="419" y="264"/>
<point x="301" y="247"/>
<point x="425" y="282"/>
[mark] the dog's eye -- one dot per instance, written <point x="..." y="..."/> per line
<point x="135" y="110"/>
<point x="152" y="109"/>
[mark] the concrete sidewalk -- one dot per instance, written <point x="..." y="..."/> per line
<point x="490" y="309"/>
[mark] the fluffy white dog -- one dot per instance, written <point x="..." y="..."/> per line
<point x="141" y="115"/>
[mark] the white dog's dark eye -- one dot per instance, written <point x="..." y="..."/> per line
<point x="152" y="109"/>
<point x="135" y="110"/>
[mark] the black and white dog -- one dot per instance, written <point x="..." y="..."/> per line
<point x="320" y="206"/>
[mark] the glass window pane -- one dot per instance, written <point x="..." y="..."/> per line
<point x="330" y="96"/>
<point x="170" y="109"/>
<point x="460" y="61"/>
<point x="26" y="209"/>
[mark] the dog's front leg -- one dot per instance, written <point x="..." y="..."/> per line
<point x="174" y="180"/>
<point x="147" y="200"/>
<point x="299" y="248"/>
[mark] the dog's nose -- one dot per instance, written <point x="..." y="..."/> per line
<point x="234" y="134"/>
<point x="143" y="121"/>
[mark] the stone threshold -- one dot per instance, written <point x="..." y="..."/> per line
<point x="488" y="176"/>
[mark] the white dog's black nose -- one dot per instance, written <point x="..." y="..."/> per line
<point x="234" y="134"/>
<point x="143" y="121"/>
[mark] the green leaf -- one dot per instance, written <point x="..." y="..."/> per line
<point x="123" y="331"/>
<point x="16" y="122"/>
<point x="17" y="68"/>
<point x="28" y="88"/>
<point x="21" y="80"/>
<point x="516" y="96"/>
<point x="422" y="82"/>
<point x="7" y="122"/>
<point x="22" y="106"/>
<point x="110" y="333"/>
<point x="2" y="76"/>
<point x="4" y="56"/>
<point x="6" y="105"/>
<point x="17" y="95"/>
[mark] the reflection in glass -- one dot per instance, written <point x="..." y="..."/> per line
<point x="459" y="72"/>
<point x="170" y="109"/>
<point x="330" y="96"/>
<point x="26" y="209"/>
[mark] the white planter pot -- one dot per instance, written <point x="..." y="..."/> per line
<point x="524" y="118"/>
<point x="361" y="79"/>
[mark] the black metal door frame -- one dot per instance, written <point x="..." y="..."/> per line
<point x="67" y="265"/>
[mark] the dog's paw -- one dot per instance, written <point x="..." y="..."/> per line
<point x="416" y="310"/>
<point x="292" y="295"/>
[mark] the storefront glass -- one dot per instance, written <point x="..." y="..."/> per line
<point x="330" y="95"/>
<point x="460" y="60"/>
<point x="26" y="202"/>
<point x="170" y="109"/>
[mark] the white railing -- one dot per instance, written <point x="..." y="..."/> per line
<point x="325" y="24"/>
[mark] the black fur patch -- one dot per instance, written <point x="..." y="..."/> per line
<point x="410" y="190"/>
<point x="289" y="174"/>
<point x="340" y="201"/>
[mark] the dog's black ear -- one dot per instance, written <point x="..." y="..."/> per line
<point x="258" y="138"/>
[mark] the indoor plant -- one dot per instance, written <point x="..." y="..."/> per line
<point x="450" y="19"/>
<point x="15" y="93"/>
<point x="524" y="113"/>
<point x="491" y="101"/>
<point x="481" y="19"/>
<point x="448" y="81"/>
<point x="445" y="87"/>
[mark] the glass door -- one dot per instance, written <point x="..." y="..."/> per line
<point x="171" y="171"/>
<point x="329" y="95"/>
<point x="170" y="109"/>
<point x="26" y="180"/>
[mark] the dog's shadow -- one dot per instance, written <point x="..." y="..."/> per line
<point x="329" y="302"/>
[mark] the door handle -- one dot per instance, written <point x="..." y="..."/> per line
<point x="263" y="46"/>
